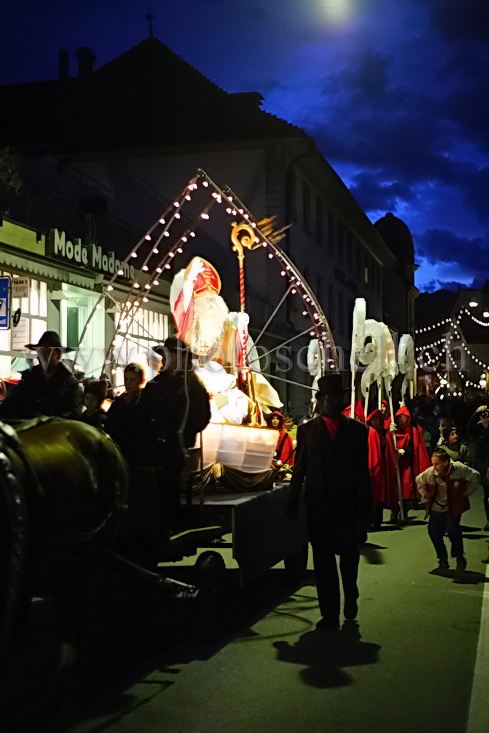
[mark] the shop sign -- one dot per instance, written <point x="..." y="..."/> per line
<point x="87" y="255"/>
<point x="4" y="302"/>
<point x="20" y="287"/>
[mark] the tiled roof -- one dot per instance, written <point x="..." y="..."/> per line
<point x="146" y="97"/>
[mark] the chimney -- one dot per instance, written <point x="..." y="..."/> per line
<point x="86" y="59"/>
<point x="64" y="63"/>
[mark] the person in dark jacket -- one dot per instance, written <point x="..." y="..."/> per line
<point x="121" y="415"/>
<point x="481" y="461"/>
<point x="172" y="409"/>
<point x="49" y="388"/>
<point x="332" y="465"/>
<point x="93" y="398"/>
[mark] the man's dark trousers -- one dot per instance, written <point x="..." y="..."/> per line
<point x="331" y="536"/>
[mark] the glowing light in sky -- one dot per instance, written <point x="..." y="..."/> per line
<point x="336" y="11"/>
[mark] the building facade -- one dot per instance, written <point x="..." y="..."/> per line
<point x="115" y="145"/>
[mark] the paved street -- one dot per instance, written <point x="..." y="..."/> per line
<point x="408" y="665"/>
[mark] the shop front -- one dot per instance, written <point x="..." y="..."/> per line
<point x="54" y="284"/>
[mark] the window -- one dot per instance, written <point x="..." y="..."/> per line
<point x="32" y="324"/>
<point x="306" y="206"/>
<point x="319" y="289"/>
<point x="319" y="222"/>
<point x="349" y="251"/>
<point x="291" y="191"/>
<point x="358" y="258"/>
<point x="147" y="328"/>
<point x="341" y="242"/>
<point x="331" y="308"/>
<point x="331" y="233"/>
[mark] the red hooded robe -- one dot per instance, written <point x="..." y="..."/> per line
<point x="416" y="458"/>
<point x="387" y="417"/>
<point x="285" y="447"/>
<point x="358" y="411"/>
<point x="382" y="464"/>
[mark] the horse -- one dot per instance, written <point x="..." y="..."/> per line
<point x="63" y="496"/>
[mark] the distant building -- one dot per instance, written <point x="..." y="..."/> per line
<point x="103" y="153"/>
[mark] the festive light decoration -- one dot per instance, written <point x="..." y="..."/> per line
<point x="264" y="235"/>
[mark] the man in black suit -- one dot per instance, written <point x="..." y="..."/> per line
<point x="332" y="464"/>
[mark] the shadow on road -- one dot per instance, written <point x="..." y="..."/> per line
<point x="140" y="641"/>
<point x="325" y="655"/>
<point x="371" y="553"/>
<point x="467" y="577"/>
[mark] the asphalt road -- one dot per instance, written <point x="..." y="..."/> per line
<point x="407" y="666"/>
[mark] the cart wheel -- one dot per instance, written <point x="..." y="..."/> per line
<point x="296" y="564"/>
<point x="209" y="610"/>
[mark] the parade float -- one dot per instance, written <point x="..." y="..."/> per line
<point x="228" y="358"/>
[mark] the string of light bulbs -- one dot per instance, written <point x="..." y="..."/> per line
<point x="143" y="285"/>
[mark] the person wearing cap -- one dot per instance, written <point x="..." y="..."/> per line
<point x="331" y="467"/>
<point x="49" y="388"/>
<point x="93" y="398"/>
<point x="172" y="409"/>
<point x="452" y="444"/>
<point x="177" y="379"/>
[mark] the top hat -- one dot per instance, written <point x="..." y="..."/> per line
<point x="50" y="339"/>
<point x="172" y="345"/>
<point x="331" y="384"/>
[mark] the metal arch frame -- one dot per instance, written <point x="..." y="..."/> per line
<point x="319" y="323"/>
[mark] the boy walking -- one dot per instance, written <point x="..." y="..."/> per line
<point x="446" y="486"/>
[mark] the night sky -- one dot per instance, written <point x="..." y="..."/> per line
<point x="395" y="93"/>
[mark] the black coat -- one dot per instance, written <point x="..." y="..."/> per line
<point x="121" y="426"/>
<point x="334" y="474"/>
<point x="59" y="395"/>
<point x="170" y="413"/>
<point x="97" y="419"/>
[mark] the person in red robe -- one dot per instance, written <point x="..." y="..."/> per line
<point x="382" y="467"/>
<point x="284" y="453"/>
<point x="358" y="412"/>
<point x="386" y="414"/>
<point x="413" y="458"/>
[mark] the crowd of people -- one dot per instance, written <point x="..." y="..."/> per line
<point x="429" y="454"/>
<point x="352" y="469"/>
<point x="153" y="424"/>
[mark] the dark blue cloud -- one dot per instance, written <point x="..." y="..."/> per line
<point x="441" y="246"/>
<point x="467" y="20"/>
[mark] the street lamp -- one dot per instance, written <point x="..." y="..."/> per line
<point x="473" y="304"/>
